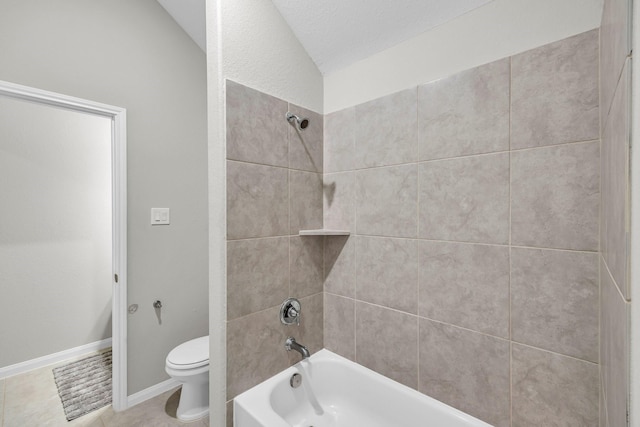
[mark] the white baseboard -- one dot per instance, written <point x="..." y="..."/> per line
<point x="50" y="359"/>
<point x="151" y="392"/>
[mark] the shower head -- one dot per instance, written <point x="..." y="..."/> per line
<point x="301" y="123"/>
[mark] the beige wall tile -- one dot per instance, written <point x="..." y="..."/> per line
<point x="615" y="46"/>
<point x="386" y="201"/>
<point x="305" y="148"/>
<point x="257" y="275"/>
<point x="552" y="390"/>
<point x="554" y="93"/>
<point x="257" y="201"/>
<point x="306" y="201"/>
<point x="256" y="126"/>
<point x="467" y="113"/>
<point x="616" y="140"/>
<point x="387" y="342"/>
<point x="555" y="197"/>
<point x="386" y="130"/>
<point x="614" y="349"/>
<point x="247" y="367"/>
<point x="339" y="201"/>
<point x="307" y="272"/>
<point x="603" y="409"/>
<point x="230" y="413"/>
<point x="554" y="301"/>
<point x="465" y="199"/>
<point x="340" y="265"/>
<point x="340" y="140"/>
<point x="387" y="272"/>
<point x="465" y="369"/>
<point x="465" y="285"/>
<point x="339" y="325"/>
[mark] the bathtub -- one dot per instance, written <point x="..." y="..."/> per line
<point x="336" y="392"/>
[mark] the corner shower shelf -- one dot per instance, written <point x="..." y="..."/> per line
<point x="324" y="232"/>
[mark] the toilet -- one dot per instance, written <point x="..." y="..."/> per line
<point x="188" y="363"/>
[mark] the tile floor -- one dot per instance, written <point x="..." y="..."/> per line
<point x="31" y="399"/>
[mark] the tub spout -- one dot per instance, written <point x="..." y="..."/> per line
<point x="291" y="344"/>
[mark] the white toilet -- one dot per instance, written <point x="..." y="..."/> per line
<point x="189" y="364"/>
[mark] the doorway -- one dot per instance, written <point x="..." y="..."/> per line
<point x="37" y="211"/>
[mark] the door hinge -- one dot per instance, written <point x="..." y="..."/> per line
<point x="116" y="277"/>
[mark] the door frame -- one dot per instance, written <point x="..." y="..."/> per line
<point x="118" y="118"/>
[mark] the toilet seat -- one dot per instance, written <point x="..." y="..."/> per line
<point x="189" y="355"/>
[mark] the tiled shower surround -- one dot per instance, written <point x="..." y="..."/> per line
<point x="615" y="91"/>
<point x="471" y="273"/>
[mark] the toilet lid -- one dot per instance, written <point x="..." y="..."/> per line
<point x="190" y="354"/>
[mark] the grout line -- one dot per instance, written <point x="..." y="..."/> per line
<point x="247" y="162"/>
<point x="510" y="247"/>
<point x="556" y="353"/>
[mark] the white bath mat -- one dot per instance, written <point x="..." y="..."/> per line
<point x="84" y="385"/>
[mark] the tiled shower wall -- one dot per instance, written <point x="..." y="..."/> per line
<point x="274" y="189"/>
<point x="615" y="91"/>
<point x="472" y="273"/>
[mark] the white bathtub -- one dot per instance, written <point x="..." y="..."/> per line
<point x="336" y="392"/>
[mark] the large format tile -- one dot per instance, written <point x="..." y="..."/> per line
<point x="306" y="258"/>
<point x="466" y="285"/>
<point x="257" y="275"/>
<point x="603" y="409"/>
<point x="159" y="411"/>
<point x="386" y="201"/>
<point x="340" y="265"/>
<point x="339" y="201"/>
<point x="306" y="201"/>
<point x="467" y="370"/>
<point x="386" y="130"/>
<point x="616" y="140"/>
<point x="256" y="126"/>
<point x="246" y="367"/>
<point x="339" y="325"/>
<point x="555" y="197"/>
<point x="554" y="301"/>
<point x="554" y="93"/>
<point x="387" y="342"/>
<point x="467" y="113"/>
<point x="340" y="140"/>
<point x="31" y="399"/>
<point x="552" y="390"/>
<point x="257" y="201"/>
<point x="387" y="272"/>
<point x="465" y="199"/>
<point x="614" y="349"/>
<point x="615" y="46"/>
<point x="305" y="147"/>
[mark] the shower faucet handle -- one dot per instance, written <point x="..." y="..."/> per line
<point x="290" y="312"/>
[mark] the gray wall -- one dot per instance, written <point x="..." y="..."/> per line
<point x="274" y="190"/>
<point x="55" y="229"/>
<point x="471" y="273"/>
<point x="133" y="55"/>
<point x="615" y="304"/>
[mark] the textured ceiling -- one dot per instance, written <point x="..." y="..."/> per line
<point x="337" y="33"/>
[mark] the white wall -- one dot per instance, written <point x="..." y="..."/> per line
<point x="55" y="230"/>
<point x="259" y="50"/>
<point x="132" y="54"/>
<point x="496" y="30"/>
<point x="249" y="42"/>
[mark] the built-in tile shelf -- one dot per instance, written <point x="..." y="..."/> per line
<point x="324" y="232"/>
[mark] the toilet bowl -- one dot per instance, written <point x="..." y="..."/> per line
<point x="188" y="363"/>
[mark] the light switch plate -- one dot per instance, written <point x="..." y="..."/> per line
<point x="160" y="216"/>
